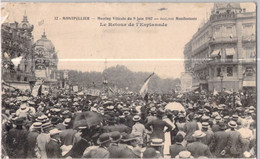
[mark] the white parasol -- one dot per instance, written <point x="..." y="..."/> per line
<point x="175" y="106"/>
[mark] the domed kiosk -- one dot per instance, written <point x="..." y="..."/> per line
<point x="46" y="59"/>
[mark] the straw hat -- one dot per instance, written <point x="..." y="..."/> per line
<point x="184" y="154"/>
<point x="136" y="118"/>
<point x="54" y="131"/>
<point x="198" y="134"/>
<point x="232" y="124"/>
<point x="157" y="142"/>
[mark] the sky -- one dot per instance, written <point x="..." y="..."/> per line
<point x="85" y="45"/>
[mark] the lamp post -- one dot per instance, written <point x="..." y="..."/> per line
<point x="221" y="80"/>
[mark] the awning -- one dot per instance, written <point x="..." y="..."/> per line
<point x="214" y="53"/>
<point x="194" y="88"/>
<point x="249" y="83"/>
<point x="230" y="51"/>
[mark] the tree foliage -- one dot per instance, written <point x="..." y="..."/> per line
<point x="122" y="78"/>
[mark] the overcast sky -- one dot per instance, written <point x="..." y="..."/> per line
<point x="84" y="45"/>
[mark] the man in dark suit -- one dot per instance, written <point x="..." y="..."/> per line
<point x="219" y="140"/>
<point x="209" y="134"/>
<point x="190" y="127"/>
<point x="234" y="145"/>
<point x="115" y="149"/>
<point x="31" y="139"/>
<point x="53" y="147"/>
<point x="176" y="148"/>
<point x="101" y="151"/>
<point x="197" y="148"/>
<point x="158" y="126"/>
<point x="16" y="141"/>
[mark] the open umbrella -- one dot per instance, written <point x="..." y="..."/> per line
<point x="87" y="119"/>
<point x="174" y="106"/>
<point x="80" y="93"/>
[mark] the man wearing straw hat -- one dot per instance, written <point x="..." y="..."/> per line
<point x="53" y="147"/>
<point x="219" y="140"/>
<point x="32" y="137"/>
<point x="234" y="146"/>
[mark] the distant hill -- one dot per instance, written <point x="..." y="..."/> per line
<point x="122" y="78"/>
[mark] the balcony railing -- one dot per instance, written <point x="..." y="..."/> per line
<point x="222" y="16"/>
<point x="223" y="61"/>
<point x="223" y="40"/>
<point x="249" y="38"/>
<point x="201" y="47"/>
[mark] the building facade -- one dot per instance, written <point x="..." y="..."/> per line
<point x="17" y="41"/>
<point x="46" y="59"/>
<point x="222" y="54"/>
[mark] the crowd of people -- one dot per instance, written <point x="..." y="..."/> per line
<point x="69" y="125"/>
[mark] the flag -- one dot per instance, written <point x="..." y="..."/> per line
<point x="16" y="61"/>
<point x="215" y="92"/>
<point x="41" y="22"/>
<point x="39" y="91"/>
<point x="6" y="55"/>
<point x="4" y="18"/>
<point x="219" y="55"/>
<point x="144" y="88"/>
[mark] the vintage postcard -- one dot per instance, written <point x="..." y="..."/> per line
<point x="128" y="80"/>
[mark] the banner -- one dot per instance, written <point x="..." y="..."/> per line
<point x="75" y="88"/>
<point x="186" y="82"/>
<point x="92" y="92"/>
<point x="20" y="86"/>
<point x="36" y="88"/>
<point x="40" y="73"/>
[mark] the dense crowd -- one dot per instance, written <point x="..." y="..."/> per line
<point x="69" y="125"/>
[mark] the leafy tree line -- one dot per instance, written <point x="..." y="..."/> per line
<point x="121" y="77"/>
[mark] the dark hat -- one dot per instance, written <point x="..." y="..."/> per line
<point x="103" y="138"/>
<point x="55" y="120"/>
<point x="115" y="136"/>
<point x="130" y="137"/>
<point x="234" y="117"/>
<point x="151" y="153"/>
<point x="111" y="120"/>
<point x="179" y="138"/>
<point x="160" y="112"/>
<point x="19" y="121"/>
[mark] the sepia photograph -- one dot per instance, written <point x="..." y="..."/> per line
<point x="128" y="80"/>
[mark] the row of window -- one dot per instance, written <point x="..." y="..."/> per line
<point x="249" y="71"/>
<point x="224" y="31"/>
<point x="229" y="71"/>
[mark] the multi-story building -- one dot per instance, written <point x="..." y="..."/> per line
<point x="17" y="40"/>
<point x="222" y="53"/>
<point x="46" y="59"/>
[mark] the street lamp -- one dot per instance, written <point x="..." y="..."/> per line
<point x="221" y="79"/>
